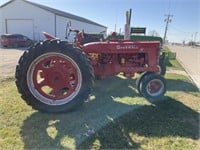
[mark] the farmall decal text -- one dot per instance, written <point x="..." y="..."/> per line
<point x="126" y="47"/>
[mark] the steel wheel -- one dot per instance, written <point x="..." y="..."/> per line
<point x="54" y="78"/>
<point x="153" y="86"/>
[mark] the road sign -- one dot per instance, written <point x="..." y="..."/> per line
<point x="138" y="30"/>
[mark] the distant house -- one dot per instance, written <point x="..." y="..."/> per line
<point x="30" y="19"/>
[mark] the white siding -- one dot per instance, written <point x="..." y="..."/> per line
<point x="19" y="10"/>
<point x="20" y="26"/>
<point x="61" y="23"/>
<point x="42" y="20"/>
<point x="88" y="28"/>
<point x="2" y="23"/>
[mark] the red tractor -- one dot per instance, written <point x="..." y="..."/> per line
<point x="57" y="76"/>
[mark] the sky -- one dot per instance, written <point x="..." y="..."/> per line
<point x="184" y="25"/>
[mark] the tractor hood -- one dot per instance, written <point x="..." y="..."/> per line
<point x="120" y="46"/>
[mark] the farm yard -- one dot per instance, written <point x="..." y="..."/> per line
<point x="8" y="61"/>
<point x="114" y="117"/>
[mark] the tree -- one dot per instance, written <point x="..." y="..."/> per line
<point x="153" y="33"/>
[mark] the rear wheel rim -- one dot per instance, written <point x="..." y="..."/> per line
<point x="54" y="78"/>
<point x="155" y="87"/>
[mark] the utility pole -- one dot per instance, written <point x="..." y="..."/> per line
<point x="195" y="36"/>
<point x="167" y="20"/>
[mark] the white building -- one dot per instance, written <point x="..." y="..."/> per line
<point x="30" y="19"/>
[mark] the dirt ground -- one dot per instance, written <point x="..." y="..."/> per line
<point x="8" y="61"/>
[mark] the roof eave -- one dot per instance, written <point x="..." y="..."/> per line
<point x="64" y="14"/>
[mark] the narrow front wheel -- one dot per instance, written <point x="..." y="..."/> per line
<point x="153" y="86"/>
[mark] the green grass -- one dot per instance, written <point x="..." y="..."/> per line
<point x="114" y="117"/>
<point x="172" y="123"/>
<point x="21" y="127"/>
<point x="171" y="63"/>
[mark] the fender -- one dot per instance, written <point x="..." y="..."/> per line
<point x="49" y="36"/>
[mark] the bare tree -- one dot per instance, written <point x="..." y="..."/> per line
<point x="153" y="33"/>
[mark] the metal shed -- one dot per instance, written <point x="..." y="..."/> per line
<point x="30" y="19"/>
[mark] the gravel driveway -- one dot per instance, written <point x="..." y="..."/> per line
<point x="8" y="61"/>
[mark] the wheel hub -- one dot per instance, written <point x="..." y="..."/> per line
<point x="56" y="77"/>
<point x="155" y="87"/>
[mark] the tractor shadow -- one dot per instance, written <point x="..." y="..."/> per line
<point x="180" y="85"/>
<point x="70" y="130"/>
<point x="168" y="118"/>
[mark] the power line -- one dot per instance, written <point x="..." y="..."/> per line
<point x="167" y="20"/>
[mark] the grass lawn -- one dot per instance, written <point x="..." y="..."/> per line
<point x="172" y="123"/>
<point x="114" y="117"/>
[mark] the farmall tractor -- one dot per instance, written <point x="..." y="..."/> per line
<point x="57" y="76"/>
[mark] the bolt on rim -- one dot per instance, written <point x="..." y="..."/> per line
<point x="54" y="78"/>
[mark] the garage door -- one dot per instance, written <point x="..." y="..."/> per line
<point x="20" y="26"/>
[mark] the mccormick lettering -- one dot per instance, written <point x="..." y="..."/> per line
<point x="126" y="47"/>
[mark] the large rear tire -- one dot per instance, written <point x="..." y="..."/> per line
<point x="54" y="76"/>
